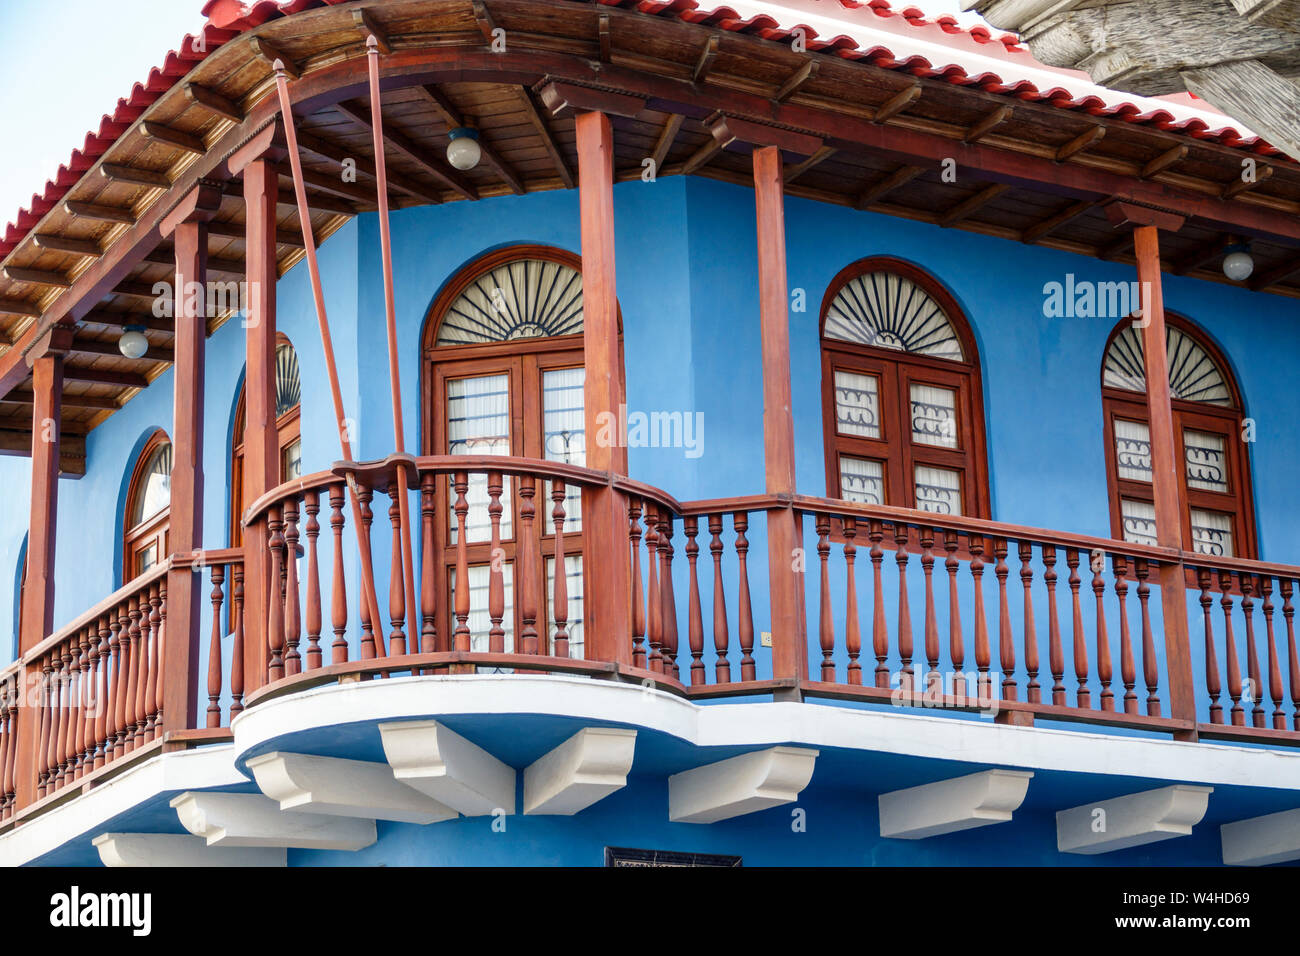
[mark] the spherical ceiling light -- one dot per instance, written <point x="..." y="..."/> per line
<point x="1238" y="263"/>
<point x="463" y="151"/>
<point x="133" y="344"/>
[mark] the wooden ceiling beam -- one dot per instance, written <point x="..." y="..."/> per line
<point x="146" y="321"/>
<point x="174" y="137"/>
<point x="1084" y="140"/>
<point x="236" y="230"/>
<point x="155" y="353"/>
<point x="972" y="204"/>
<point x="103" y="376"/>
<point x="897" y="103"/>
<point x="77" y="247"/>
<point x="705" y="61"/>
<point x="98" y="212"/>
<point x="213" y="102"/>
<point x="328" y="150"/>
<point x="701" y="157"/>
<point x="268" y="53"/>
<point x="1272" y="276"/>
<point x="365" y="23"/>
<point x="1239" y="186"/>
<point x="133" y="176"/>
<point x="333" y="185"/>
<point x="136" y="289"/>
<point x="415" y="153"/>
<point x="165" y="256"/>
<point x="791" y="173"/>
<point x="801" y="76"/>
<point x="454" y="119"/>
<point x="1206" y="252"/>
<point x="547" y="138"/>
<point x="603" y="37"/>
<point x="1116" y="247"/>
<point x="992" y="119"/>
<point x="1169" y="157"/>
<point x="288" y="198"/>
<point x="483" y="17"/>
<point x="878" y="190"/>
<point x="16" y="441"/>
<point x="1045" y="227"/>
<point x="664" y="142"/>
<point x="20" y="307"/>
<point x="68" y="400"/>
<point x="47" y="277"/>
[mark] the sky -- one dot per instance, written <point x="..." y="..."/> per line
<point x="64" y="74"/>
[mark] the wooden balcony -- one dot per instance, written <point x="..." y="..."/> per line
<point x="904" y="608"/>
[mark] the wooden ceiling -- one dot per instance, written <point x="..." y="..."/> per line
<point x="91" y="263"/>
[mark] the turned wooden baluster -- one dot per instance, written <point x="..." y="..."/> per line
<point x="525" y="575"/>
<point x="1033" y="692"/>
<point x="1104" y="671"/>
<point x="1127" y="665"/>
<point x="428" y="565"/>
<point x="1274" y="669"/>
<point x="372" y="632"/>
<point x="141" y="675"/>
<point x="983" y="658"/>
<point x="338" y="585"/>
<point x="826" y="626"/>
<point x="496" y="568"/>
<point x="694" y="616"/>
<point x="396" y="583"/>
<point x="1006" y="644"/>
<point x="117" y="695"/>
<point x="654" y="608"/>
<point x="75" y="687"/>
<point x="852" y="629"/>
<point x="1285" y="585"/>
<point x="237" y="640"/>
<point x="1150" y="669"/>
<point x="666" y="589"/>
<point x="48" y="705"/>
<point x="1055" y="652"/>
<point x="161" y="668"/>
<point x="956" y="649"/>
<point x="721" y="669"/>
<point x="560" y="594"/>
<point x="461" y="635"/>
<point x="103" y="699"/>
<point x="906" y="679"/>
<point x="131" y="690"/>
<point x="744" y="614"/>
<point x="149" y="696"/>
<point x="879" y="629"/>
<point x="275" y="599"/>
<point x="1230" y="650"/>
<point x="66" y="716"/>
<point x="1254" y="682"/>
<point x="1211" y="660"/>
<point x="1083" y="696"/>
<point x="933" y="680"/>
<point x="638" y="603"/>
<point x="85" y="697"/>
<point x="292" y="607"/>
<point x="214" y="648"/>
<point x="311" y="504"/>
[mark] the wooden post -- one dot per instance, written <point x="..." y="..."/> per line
<point x="46" y="361"/>
<point x="604" y="512"/>
<point x="789" y="625"/>
<point x="187" y="224"/>
<point x="1167" y="487"/>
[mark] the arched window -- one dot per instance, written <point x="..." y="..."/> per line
<point x="503" y="374"/>
<point x="901" y="398"/>
<point x="1207" y="408"/>
<point x="288" y="395"/>
<point x="148" y="508"/>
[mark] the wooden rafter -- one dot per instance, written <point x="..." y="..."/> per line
<point x="98" y="212"/>
<point x="19" y="307"/>
<point x="483" y="17"/>
<point x="77" y="247"/>
<point x="897" y="103"/>
<point x="214" y="102"/>
<point x="1116" y="247"/>
<point x="701" y="157"/>
<point x="971" y="204"/>
<point x="236" y="230"/>
<point x="454" y="119"/>
<point x="147" y="321"/>
<point x="333" y="185"/>
<point x="603" y="36"/>
<point x="1083" y="141"/>
<point x="548" y="140"/>
<point x="104" y="376"/>
<point x="417" y="154"/>
<point x="174" y="137"/>
<point x="318" y="201"/>
<point x="801" y="76"/>
<point x="48" y="277"/>
<point x="1175" y="154"/>
<point x="792" y="173"/>
<point x="1239" y="186"/>
<point x="878" y="190"/>
<point x="268" y="53"/>
<point x="155" y="353"/>
<point x="1206" y="252"/>
<point x="337" y="154"/>
<point x="667" y="136"/>
<point x="136" y="289"/>
<point x="366" y="25"/>
<point x="1045" y="227"/>
<point x="705" y="62"/>
<point x="69" y="400"/>
<point x="992" y="119"/>
<point x="164" y="255"/>
<point x="116" y="172"/>
<point x="1274" y="275"/>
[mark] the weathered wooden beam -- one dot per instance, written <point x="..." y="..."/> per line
<point x="897" y="103"/>
<point x="792" y="173"/>
<point x="98" y="212"/>
<point x="268" y="53"/>
<point x="971" y="204"/>
<point x="77" y="247"/>
<point x="1202" y="254"/>
<point x="705" y="62"/>
<point x="417" y="154"/>
<point x="20" y="307"/>
<point x="174" y="137"/>
<point x="801" y="76"/>
<point x="548" y="140"/>
<point x="155" y="353"/>
<point x="1046" y="227"/>
<point x="365" y="23"/>
<point x="235" y="230"/>
<point x="1247" y="89"/>
<point x="981" y="129"/>
<point x="1239" y="186"/>
<point x="1169" y="157"/>
<point x="163" y="255"/>
<point x="328" y="150"/>
<point x="454" y="120"/>
<point x="483" y="17"/>
<point x="56" y="280"/>
<point x="878" y="190"/>
<point x="213" y="102"/>
<point x="116" y="172"/>
<point x="17" y="442"/>
<point x="1283" y="270"/>
<point x="563" y="98"/>
<point x="317" y="201"/>
<point x="701" y="157"/>
<point x="333" y="185"/>
<point x="664" y="142"/>
<point x="729" y="129"/>
<point x="22" y="397"/>
<point x="136" y="289"/>
<point x="1081" y="142"/>
<point x="104" y="376"/>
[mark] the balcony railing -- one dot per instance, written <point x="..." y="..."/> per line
<point x="902" y="607"/>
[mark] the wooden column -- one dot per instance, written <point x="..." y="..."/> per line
<point x="187" y="224"/>
<point x="604" y="511"/>
<point x="46" y="361"/>
<point x="258" y="162"/>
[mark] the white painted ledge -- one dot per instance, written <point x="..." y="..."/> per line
<point x="439" y="762"/>
<point x="1274" y="838"/>
<point x="587" y="767"/>
<point x="250" y="819"/>
<point x="342" y="788"/>
<point x="1131" y="820"/>
<point x="738" y="785"/>
<point x="174" y="849"/>
<point x="946" y="806"/>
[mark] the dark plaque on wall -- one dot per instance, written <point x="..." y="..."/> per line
<point x="622" y="856"/>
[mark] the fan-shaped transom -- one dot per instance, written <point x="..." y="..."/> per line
<point x="526" y="298"/>
<point x="288" y="385"/>
<point x="1194" y="376"/>
<point x="887" y="310"/>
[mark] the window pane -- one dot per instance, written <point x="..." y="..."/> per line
<point x="934" y="416"/>
<point x="479" y="623"/>
<point x="862" y="480"/>
<point x="1133" y="450"/>
<point x="573" y="582"/>
<point x="857" y="404"/>
<point x="1207" y="460"/>
<point x="155" y="491"/>
<point x="1139" y="520"/>
<point x="291" y="460"/>
<point x="564" y="436"/>
<point x="938" y="490"/>
<point x="1211" y="533"/>
<point x="478" y="423"/>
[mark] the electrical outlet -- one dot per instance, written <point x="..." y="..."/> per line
<point x="765" y="639"/>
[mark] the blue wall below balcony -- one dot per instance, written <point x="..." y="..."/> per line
<point x="687" y="284"/>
